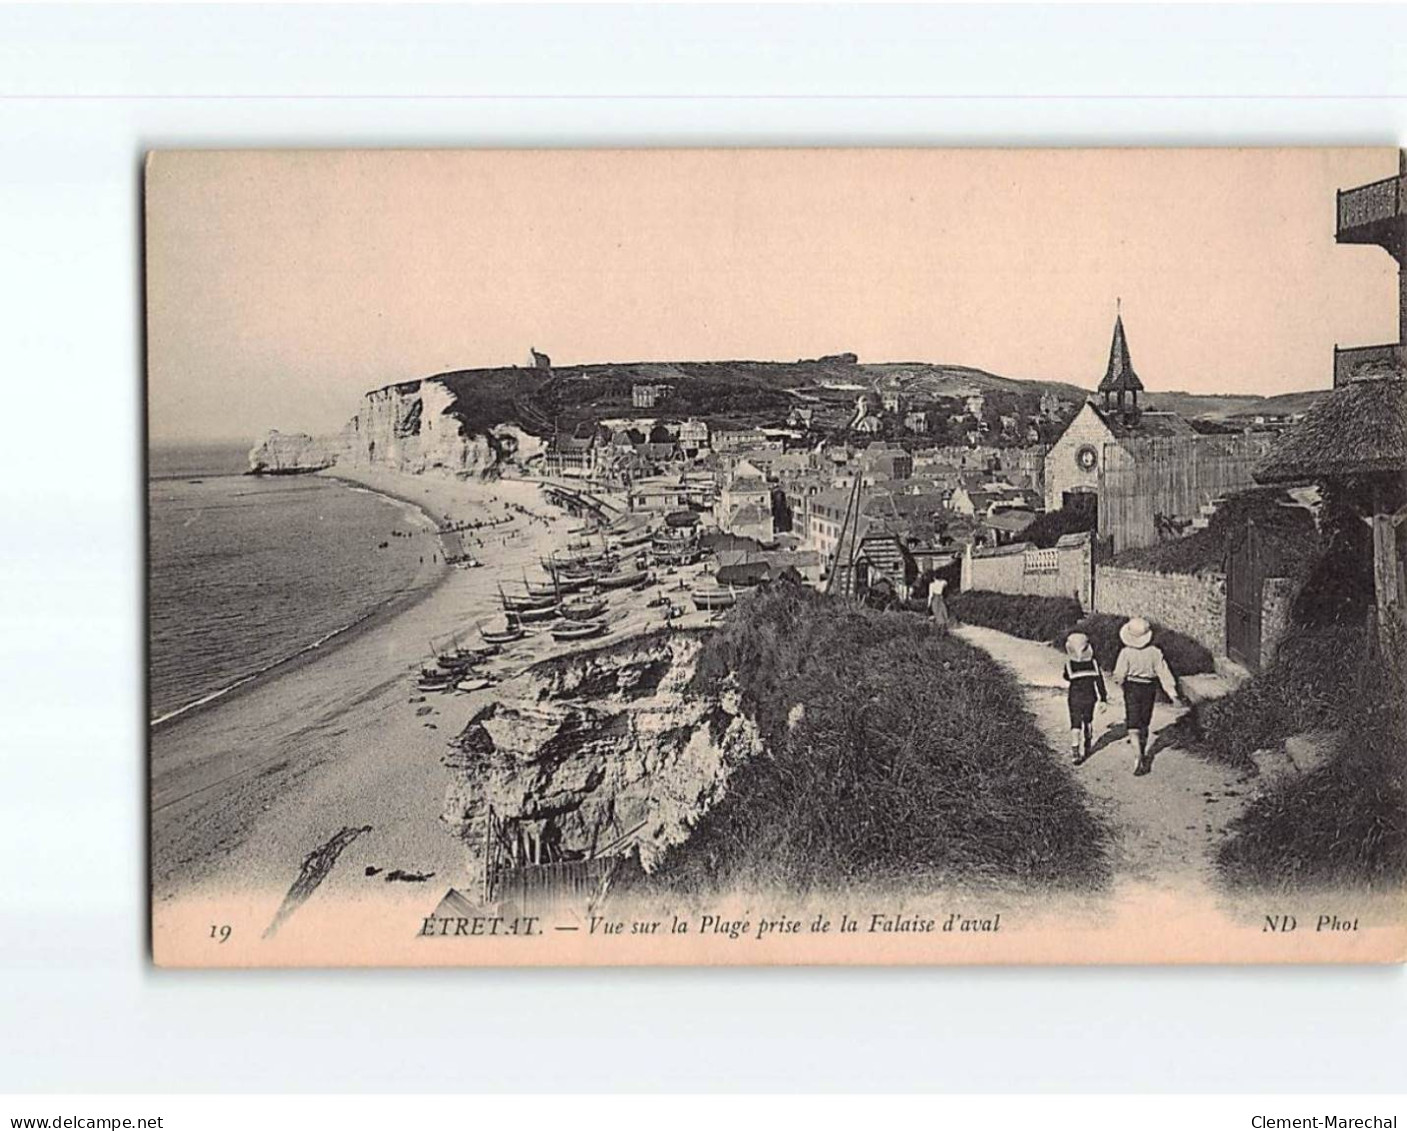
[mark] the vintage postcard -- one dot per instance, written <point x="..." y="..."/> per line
<point x="777" y="556"/>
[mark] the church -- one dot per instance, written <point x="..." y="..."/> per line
<point x="1105" y="433"/>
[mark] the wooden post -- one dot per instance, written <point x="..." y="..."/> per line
<point x="1385" y="569"/>
<point x="490" y="848"/>
<point x="1387" y="574"/>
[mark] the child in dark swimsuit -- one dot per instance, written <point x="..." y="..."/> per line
<point x="1086" y="682"/>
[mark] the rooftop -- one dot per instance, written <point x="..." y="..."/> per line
<point x="1146" y="422"/>
<point x="1357" y="429"/>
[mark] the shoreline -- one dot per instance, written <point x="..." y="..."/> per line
<point x="242" y="788"/>
<point x="428" y="577"/>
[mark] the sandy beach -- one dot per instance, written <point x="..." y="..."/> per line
<point x="245" y="788"/>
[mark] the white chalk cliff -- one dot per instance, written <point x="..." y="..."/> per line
<point x="289" y="453"/>
<point x="407" y="428"/>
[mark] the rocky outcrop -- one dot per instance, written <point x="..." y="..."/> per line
<point x="407" y="427"/>
<point x="579" y="751"/>
<point x="289" y="453"/>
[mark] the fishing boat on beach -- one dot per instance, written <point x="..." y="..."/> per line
<point x="556" y="585"/>
<point x="584" y="608"/>
<point x="431" y="680"/>
<point x="511" y="631"/>
<point x="621" y="578"/>
<point x="526" y="602"/>
<point x="474" y="683"/>
<point x="629" y="539"/>
<point x="707" y="598"/>
<point x="478" y="655"/>
<point x="578" y="630"/>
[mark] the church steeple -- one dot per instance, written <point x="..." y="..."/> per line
<point x="1120" y="381"/>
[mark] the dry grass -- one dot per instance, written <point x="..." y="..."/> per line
<point x="912" y="761"/>
<point x="1288" y="539"/>
<point x="1047" y="619"/>
<point x="1344" y="822"/>
<point x="1311" y="686"/>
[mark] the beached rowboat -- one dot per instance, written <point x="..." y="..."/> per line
<point x="473" y="683"/>
<point x="527" y="603"/>
<point x="713" y="597"/>
<point x="630" y="539"/>
<point x="578" y="630"/>
<point x="499" y="636"/>
<point x="621" y="579"/>
<point x="435" y="681"/>
<point x="584" y="608"/>
<point x="556" y="586"/>
<point x="545" y="612"/>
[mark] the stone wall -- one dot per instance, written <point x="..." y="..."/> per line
<point x="1194" y="605"/>
<point x="1022" y="569"/>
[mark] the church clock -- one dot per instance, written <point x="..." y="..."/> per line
<point x="1086" y="457"/>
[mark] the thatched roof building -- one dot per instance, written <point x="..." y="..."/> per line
<point x="1357" y="429"/>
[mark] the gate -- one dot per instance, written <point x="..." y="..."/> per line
<point x="1245" y="578"/>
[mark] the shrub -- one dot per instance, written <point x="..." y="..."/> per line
<point x="911" y="761"/>
<point x="1310" y="686"/>
<point x="1048" y="527"/>
<point x="1052" y="619"/>
<point x="1288" y="538"/>
<point x="1344" y="822"/>
<point x="1048" y="619"/>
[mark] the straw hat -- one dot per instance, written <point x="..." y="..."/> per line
<point x="1077" y="647"/>
<point x="1136" y="632"/>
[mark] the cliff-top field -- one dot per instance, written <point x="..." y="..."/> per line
<point x="896" y="755"/>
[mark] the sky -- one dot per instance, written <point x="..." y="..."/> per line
<point x="281" y="285"/>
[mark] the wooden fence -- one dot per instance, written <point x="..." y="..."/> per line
<point x="541" y="889"/>
<point x="531" y="876"/>
<point x="1172" y="477"/>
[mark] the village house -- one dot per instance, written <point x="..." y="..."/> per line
<point x="892" y="401"/>
<point x="974" y="404"/>
<point x="744" y="503"/>
<point x="1052" y="406"/>
<point x="733" y="440"/>
<point x="916" y="422"/>
<point x="979" y="502"/>
<point x="1004" y="527"/>
<point x="824" y="516"/>
<point x="886" y="461"/>
<point x="657" y="456"/>
<point x="647" y="396"/>
<point x="574" y="456"/>
<point x="657" y="496"/>
<point x="801" y="417"/>
<point x="700" y="488"/>
<point x="693" y="437"/>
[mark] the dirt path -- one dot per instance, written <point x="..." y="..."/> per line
<point x="1167" y="825"/>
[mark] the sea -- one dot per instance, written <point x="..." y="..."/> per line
<point x="249" y="572"/>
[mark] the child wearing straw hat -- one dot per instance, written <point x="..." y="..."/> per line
<point x="1086" y="682"/>
<point x="1140" y="670"/>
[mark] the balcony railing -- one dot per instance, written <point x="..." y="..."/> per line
<point x="1370" y="204"/>
<point x="1356" y="360"/>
